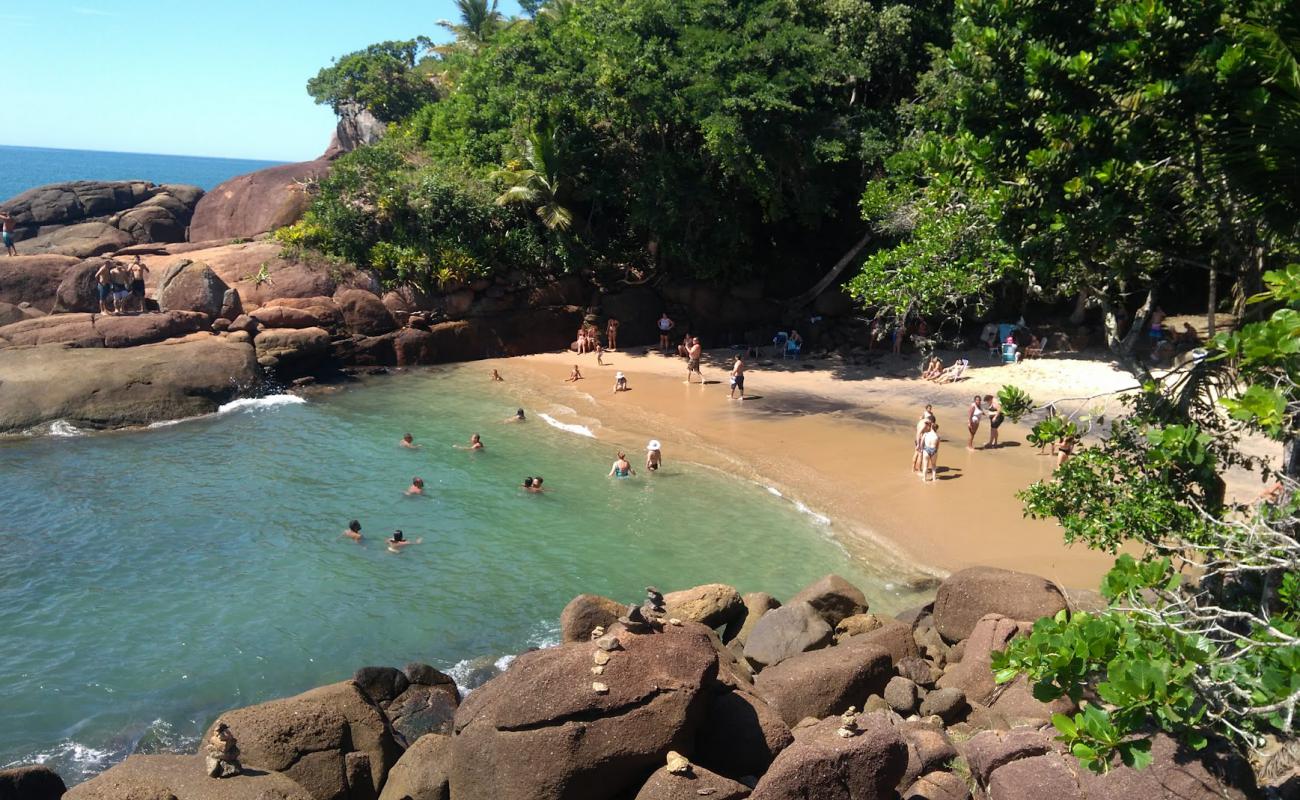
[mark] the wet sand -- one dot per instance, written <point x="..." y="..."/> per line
<point x="838" y="440"/>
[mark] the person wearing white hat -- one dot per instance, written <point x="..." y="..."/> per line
<point x="654" y="457"/>
<point x="620" y="382"/>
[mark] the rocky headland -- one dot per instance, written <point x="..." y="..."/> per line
<point x="702" y="692"/>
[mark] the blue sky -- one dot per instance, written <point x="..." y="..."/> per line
<point x="186" y="77"/>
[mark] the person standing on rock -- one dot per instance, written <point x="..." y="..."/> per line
<point x="693" y="354"/>
<point x="104" y="285"/>
<point x="611" y="333"/>
<point x="119" y="277"/>
<point x="137" y="272"/>
<point x="665" y="326"/>
<point x="7" y="232"/>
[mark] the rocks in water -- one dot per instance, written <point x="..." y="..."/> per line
<point x="423" y="709"/>
<point x="257" y="202"/>
<point x="31" y="782"/>
<point x="822" y="765"/>
<point x="968" y="595"/>
<point x="291" y="346"/>
<point x="824" y="682"/>
<point x="834" y="598"/>
<point x="422" y="771"/>
<point x="169" y="777"/>
<point x="756" y="605"/>
<point x="784" y="632"/>
<point x="191" y="286"/>
<point x="101" y="388"/>
<point x="539" y="731"/>
<point x="948" y="704"/>
<point x="902" y="695"/>
<point x="89" y="218"/>
<point x="381" y="684"/>
<point x="741" y="735"/>
<point x="586" y="612"/>
<point x="712" y="605"/>
<point x="694" y="784"/>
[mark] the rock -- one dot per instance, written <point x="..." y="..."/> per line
<point x="422" y="771"/>
<point x="168" y="777"/>
<point x="917" y="670"/>
<point x="857" y="624"/>
<point x="296" y="346"/>
<point x="539" y="731"/>
<point x="357" y="773"/>
<point x="425" y="675"/>
<point x="834" y="599"/>
<point x="99" y="330"/>
<point x="974" y="673"/>
<point x="584" y="614"/>
<point x="191" y="286"/>
<point x="928" y="749"/>
<point x="712" y="605"/>
<point x="34" y="279"/>
<point x="957" y="652"/>
<point x="913" y="616"/>
<point x="356" y="127"/>
<point x="381" y="684"/>
<point x="86" y="218"/>
<point x="876" y="703"/>
<point x="100" y="388"/>
<point x="1175" y="772"/>
<point x="323" y="310"/>
<point x="1016" y="701"/>
<point x="693" y="785"/>
<point x="902" y="695"/>
<point x="948" y="704"/>
<point x="31" y="782"/>
<point x="412" y="346"/>
<point x="1045" y="776"/>
<point x="422" y="709"/>
<point x="286" y="317"/>
<point x="823" y="682"/>
<point x="10" y="313"/>
<point x="893" y="636"/>
<point x="364" y="312"/>
<point x="968" y="595"/>
<point x="937" y="786"/>
<point x="931" y="645"/>
<point x="785" y="632"/>
<point x="821" y="765"/>
<point x="258" y="202"/>
<point x="307" y="738"/>
<point x="741" y="735"/>
<point x="756" y="605"/>
<point x="988" y="750"/>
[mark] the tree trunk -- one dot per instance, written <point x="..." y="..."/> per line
<point x="1080" y="308"/>
<point x="796" y="303"/>
<point x="1123" y="347"/>
<point x="1212" y="301"/>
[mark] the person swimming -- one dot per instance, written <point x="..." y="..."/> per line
<point x="416" y="487"/>
<point x="353" y="532"/>
<point x="399" y="540"/>
<point x="408" y="441"/>
<point x="475" y="443"/>
<point x="518" y="417"/>
<point x="537" y="485"/>
<point x="528" y="483"/>
<point x="621" y="468"/>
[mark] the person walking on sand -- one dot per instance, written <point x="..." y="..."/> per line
<point x="353" y="531"/>
<point x="693" y="354"/>
<point x="611" y="333"/>
<point x="576" y="375"/>
<point x="738" y="378"/>
<point x="654" y="457"/>
<point x="136" y="273"/>
<point x="918" y="457"/>
<point x="665" y="326"/>
<point x="995" y="416"/>
<point x="973" y="415"/>
<point x="7" y="232"/>
<point x="621" y="467"/>
<point x="600" y="355"/>
<point x="930" y="449"/>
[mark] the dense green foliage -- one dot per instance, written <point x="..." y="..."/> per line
<point x="384" y="78"/>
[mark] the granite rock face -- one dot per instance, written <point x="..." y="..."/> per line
<point x="89" y="218"/>
<point x="261" y="201"/>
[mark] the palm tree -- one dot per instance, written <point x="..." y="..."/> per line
<point x="535" y="181"/>
<point x="479" y="20"/>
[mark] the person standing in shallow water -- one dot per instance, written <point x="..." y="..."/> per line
<point x="973" y="415"/>
<point x="930" y="449"/>
<point x="693" y="354"/>
<point x="621" y="468"/>
<point x="654" y="457"/>
<point x="738" y="378"/>
<point x="995" y="416"/>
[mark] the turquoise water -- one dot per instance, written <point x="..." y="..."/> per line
<point x="150" y="579"/>
<point x="23" y="168"/>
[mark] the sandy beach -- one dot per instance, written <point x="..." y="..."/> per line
<point x="837" y="439"/>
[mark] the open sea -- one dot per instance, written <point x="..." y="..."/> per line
<point x="23" y="168"/>
<point x="151" y="579"/>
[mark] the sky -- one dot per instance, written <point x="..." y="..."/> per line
<point x="187" y="77"/>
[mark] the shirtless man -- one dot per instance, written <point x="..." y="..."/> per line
<point x="611" y="333"/>
<point x="399" y="540"/>
<point x="576" y="375"/>
<point x="120" y="278"/>
<point x="408" y="441"/>
<point x="738" y="378"/>
<point x="104" y="285"/>
<point x="918" y="456"/>
<point x="7" y="232"/>
<point x="353" y="531"/>
<point x="693" y="354"/>
<point x="973" y="415"/>
<point x="137" y="272"/>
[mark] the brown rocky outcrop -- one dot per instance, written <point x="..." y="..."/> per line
<point x="257" y="202"/>
<point x="191" y="286"/>
<point x="712" y="605"/>
<point x="89" y="218"/>
<point x="183" y="778"/>
<point x="891" y="635"/>
<point x="364" y="313"/>
<point x="291" y="346"/>
<point x="693" y="784"/>
<point x="102" y="388"/>
<point x="821" y="765"/>
<point x="101" y="330"/>
<point x="937" y="786"/>
<point x="741" y="735"/>
<point x="968" y="595"/>
<point x="834" y="598"/>
<point x="974" y="674"/>
<point x="426" y="704"/>
<point x="422" y="771"/>
<point x="10" y="313"/>
<point x="756" y="605"/>
<point x="34" y="279"/>
<point x="31" y="782"/>
<point x="784" y="632"/>
<point x="584" y="612"/>
<point x="78" y="289"/>
<point x="824" y="682"/>
<point x="549" y="728"/>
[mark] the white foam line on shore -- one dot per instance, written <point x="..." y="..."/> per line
<point x="254" y="403"/>
<point x="61" y="427"/>
<point x="581" y="430"/>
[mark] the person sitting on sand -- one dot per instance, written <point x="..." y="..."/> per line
<point x="933" y="370"/>
<point x="496" y="376"/>
<point x="518" y="417"/>
<point x="621" y="467"/>
<point x="416" y="487"/>
<point x="582" y="339"/>
<point x="353" y="531"/>
<point x="654" y="457"/>
<point x="684" y="349"/>
<point x="994" y="413"/>
<point x="399" y="540"/>
<point x="574" y="376"/>
<point x="930" y="450"/>
<point x="954" y="373"/>
<point x="620" y="382"/>
<point x="408" y="441"/>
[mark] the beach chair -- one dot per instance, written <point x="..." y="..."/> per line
<point x="1008" y="353"/>
<point x="954" y="373"/>
<point x="792" y="348"/>
<point x="780" y="342"/>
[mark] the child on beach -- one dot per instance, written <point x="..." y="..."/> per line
<point x="620" y="382"/>
<point x="574" y="376"/>
<point x="600" y="355"/>
<point x="930" y="449"/>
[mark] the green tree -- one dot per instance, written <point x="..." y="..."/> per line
<point x="536" y="182"/>
<point x="479" y="21"/>
<point x="383" y="78"/>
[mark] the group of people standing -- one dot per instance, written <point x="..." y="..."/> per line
<point x="925" y="453"/>
<point x="120" y="287"/>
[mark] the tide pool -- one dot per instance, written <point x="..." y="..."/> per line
<point x="151" y="579"/>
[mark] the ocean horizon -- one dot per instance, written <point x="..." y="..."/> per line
<point x="23" y="168"/>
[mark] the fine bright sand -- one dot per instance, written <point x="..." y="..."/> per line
<point x="839" y="440"/>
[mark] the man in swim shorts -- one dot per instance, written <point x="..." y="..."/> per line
<point x="137" y="272"/>
<point x="118" y="278"/>
<point x="7" y="232"/>
<point x="693" y="354"/>
<point x="104" y="285"/>
<point x="738" y="378"/>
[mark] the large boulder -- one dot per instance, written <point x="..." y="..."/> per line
<point x="10" y="313"/>
<point x="974" y="673"/>
<point x="364" y="313"/>
<point x="928" y="749"/>
<point x="191" y="286"/>
<point x="169" y="777"/>
<point x="824" y="682"/>
<point x="892" y="635"/>
<point x="101" y="330"/>
<point x="549" y="728"/>
<point x="261" y="201"/>
<point x="31" y="782"/>
<point x="973" y="592"/>
<point x="308" y="739"/>
<point x="295" y="346"/>
<point x="78" y="290"/>
<point x="87" y="218"/>
<point x="834" y="598"/>
<point x="711" y="605"/>
<point x="424" y="708"/>
<point x="784" y="632"/>
<point x="1047" y="776"/>
<point x="937" y="786"/>
<point x="741" y="735"/>
<point x="756" y="605"/>
<point x="821" y="765"/>
<point x="356" y="127"/>
<point x="34" y="279"/>
<point x="584" y="613"/>
<point x="692" y="784"/>
<point x="103" y="388"/>
<point x="421" y="773"/>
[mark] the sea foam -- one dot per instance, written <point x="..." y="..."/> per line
<point x="581" y="430"/>
<point x="257" y="403"/>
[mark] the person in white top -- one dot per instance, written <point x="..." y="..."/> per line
<point x="665" y="325"/>
<point x="973" y="416"/>
<point x="930" y="450"/>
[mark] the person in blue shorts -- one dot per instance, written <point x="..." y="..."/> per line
<point x="7" y="232"/>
